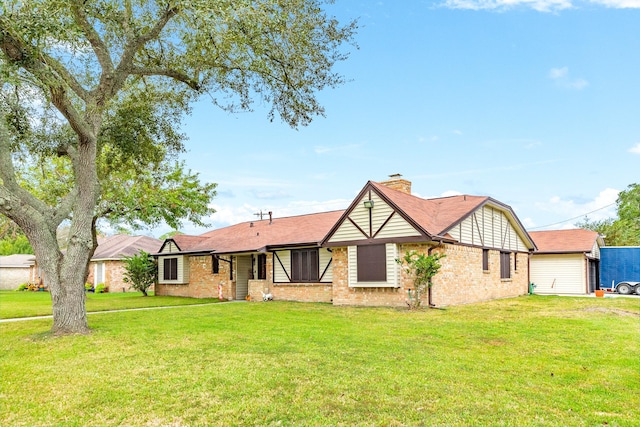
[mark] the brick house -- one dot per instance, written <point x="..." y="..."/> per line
<point x="107" y="263"/>
<point x="348" y="257"/>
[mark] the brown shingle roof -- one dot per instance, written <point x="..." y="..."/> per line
<point x="564" y="241"/>
<point x="252" y="236"/>
<point x="435" y="216"/>
<point x="121" y="245"/>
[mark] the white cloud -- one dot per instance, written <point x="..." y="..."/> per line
<point x="619" y="4"/>
<point x="538" y="5"/>
<point x="601" y="207"/>
<point x="502" y="5"/>
<point x="635" y="149"/>
<point x="563" y="79"/>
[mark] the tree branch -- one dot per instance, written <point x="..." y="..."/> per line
<point x="99" y="48"/>
<point x="176" y="75"/>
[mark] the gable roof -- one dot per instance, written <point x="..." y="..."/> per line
<point x="121" y="245"/>
<point x="433" y="218"/>
<point x="260" y="236"/>
<point x="565" y="241"/>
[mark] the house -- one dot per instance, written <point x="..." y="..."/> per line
<point x="348" y="257"/>
<point x="16" y="270"/>
<point x="566" y="262"/>
<point x="107" y="263"/>
<point x="277" y="255"/>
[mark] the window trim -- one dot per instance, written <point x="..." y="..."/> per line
<point x="170" y="273"/>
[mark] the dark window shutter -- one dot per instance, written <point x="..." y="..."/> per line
<point x="485" y="259"/>
<point x="372" y="263"/>
<point x="215" y="264"/>
<point x="505" y="265"/>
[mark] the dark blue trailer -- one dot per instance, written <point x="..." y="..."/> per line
<point x="620" y="268"/>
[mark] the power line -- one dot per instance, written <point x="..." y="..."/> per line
<point x="574" y="218"/>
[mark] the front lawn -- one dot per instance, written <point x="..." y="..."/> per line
<point x="27" y="304"/>
<point x="528" y="361"/>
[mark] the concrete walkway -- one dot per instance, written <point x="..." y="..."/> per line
<point x="20" y="319"/>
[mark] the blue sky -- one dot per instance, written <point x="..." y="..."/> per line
<point x="534" y="103"/>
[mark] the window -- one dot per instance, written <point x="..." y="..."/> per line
<point x="215" y="264"/>
<point x="304" y="265"/>
<point x="372" y="263"/>
<point x="262" y="266"/>
<point x="170" y="269"/>
<point x="485" y="259"/>
<point x="505" y="265"/>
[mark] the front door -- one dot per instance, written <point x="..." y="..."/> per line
<point x="243" y="273"/>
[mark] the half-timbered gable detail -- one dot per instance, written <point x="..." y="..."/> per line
<point x="490" y="227"/>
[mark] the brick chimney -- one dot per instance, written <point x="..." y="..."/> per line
<point x="396" y="182"/>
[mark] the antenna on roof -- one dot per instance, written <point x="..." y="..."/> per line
<point x="260" y="214"/>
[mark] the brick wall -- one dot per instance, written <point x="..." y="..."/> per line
<point x="461" y="279"/>
<point x="202" y="282"/>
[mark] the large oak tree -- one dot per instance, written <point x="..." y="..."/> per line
<point x="100" y="63"/>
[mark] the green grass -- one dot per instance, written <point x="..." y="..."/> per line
<point x="28" y="304"/>
<point x="528" y="361"/>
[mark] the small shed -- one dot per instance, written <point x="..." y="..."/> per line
<point x="16" y="270"/>
<point x="566" y="262"/>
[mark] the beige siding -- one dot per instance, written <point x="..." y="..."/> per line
<point x="491" y="228"/>
<point x="183" y="269"/>
<point x="170" y="248"/>
<point x="384" y="223"/>
<point x="559" y="274"/>
<point x="393" y="270"/>
<point x="325" y="260"/>
<point x="280" y="273"/>
<point x="595" y="251"/>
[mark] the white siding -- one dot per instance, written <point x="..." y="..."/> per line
<point x="393" y="270"/>
<point x="595" y="251"/>
<point x="559" y="274"/>
<point x="491" y="228"/>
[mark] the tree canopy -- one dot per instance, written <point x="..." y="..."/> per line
<point x="92" y="96"/>
<point x="625" y="229"/>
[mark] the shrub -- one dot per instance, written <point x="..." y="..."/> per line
<point x="140" y="271"/>
<point x="23" y="287"/>
<point x="88" y="287"/>
<point x="101" y="288"/>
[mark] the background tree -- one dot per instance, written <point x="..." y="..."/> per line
<point x="625" y="229"/>
<point x="140" y="271"/>
<point x="421" y="268"/>
<point x="97" y="62"/>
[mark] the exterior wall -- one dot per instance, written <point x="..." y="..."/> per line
<point x="203" y="283"/>
<point x="285" y="291"/>
<point x="488" y="227"/>
<point x="559" y="274"/>
<point x="384" y="223"/>
<point x="12" y="277"/>
<point x="461" y="280"/>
